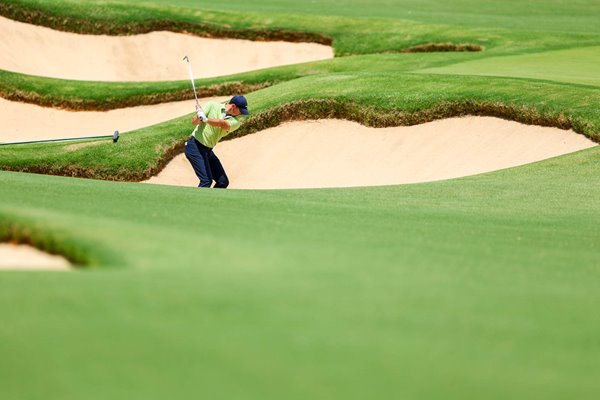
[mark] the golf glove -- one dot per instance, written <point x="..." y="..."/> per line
<point x="202" y="116"/>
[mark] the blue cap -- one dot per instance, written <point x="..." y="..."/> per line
<point x="241" y="104"/>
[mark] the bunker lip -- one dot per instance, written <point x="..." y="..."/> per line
<point x="299" y="154"/>
<point x="154" y="56"/>
<point x="29" y="15"/>
<point x="19" y="257"/>
<point x="437" y="47"/>
<point x="110" y="103"/>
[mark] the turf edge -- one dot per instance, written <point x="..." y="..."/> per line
<point x="331" y="109"/>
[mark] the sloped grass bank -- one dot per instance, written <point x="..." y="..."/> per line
<point x="102" y="96"/>
<point x="96" y="96"/>
<point x="370" y="99"/>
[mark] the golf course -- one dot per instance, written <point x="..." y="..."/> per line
<point x="414" y="208"/>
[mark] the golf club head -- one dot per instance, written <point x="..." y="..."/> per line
<point x="115" y="136"/>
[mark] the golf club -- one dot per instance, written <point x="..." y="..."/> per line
<point x="114" y="136"/>
<point x="198" y="107"/>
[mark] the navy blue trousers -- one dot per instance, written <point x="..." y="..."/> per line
<point x="206" y="165"/>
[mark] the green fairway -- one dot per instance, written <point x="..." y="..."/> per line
<point x="578" y="66"/>
<point x="537" y="15"/>
<point x="484" y="287"/>
<point x="294" y="294"/>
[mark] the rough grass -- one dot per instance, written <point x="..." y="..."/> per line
<point x="441" y="47"/>
<point x="376" y="118"/>
<point x="105" y="168"/>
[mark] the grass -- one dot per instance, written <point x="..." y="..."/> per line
<point x="548" y="16"/>
<point x="481" y="287"/>
<point x="356" y="32"/>
<point x="293" y="294"/>
<point x="78" y="95"/>
<point x="371" y="98"/>
<point x="351" y="35"/>
<point x="571" y="65"/>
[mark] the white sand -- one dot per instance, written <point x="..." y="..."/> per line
<point x="335" y="153"/>
<point x="23" y="122"/>
<point x="22" y="257"/>
<point x="156" y="56"/>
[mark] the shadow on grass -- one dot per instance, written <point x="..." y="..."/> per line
<point x="48" y="241"/>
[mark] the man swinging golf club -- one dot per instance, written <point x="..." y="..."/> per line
<point x="214" y="122"/>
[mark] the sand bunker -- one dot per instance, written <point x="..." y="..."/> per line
<point x="335" y="153"/>
<point x="155" y="56"/>
<point x="21" y="257"/>
<point x="24" y="122"/>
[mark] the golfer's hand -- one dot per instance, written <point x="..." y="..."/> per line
<point x="201" y="116"/>
<point x="196" y="120"/>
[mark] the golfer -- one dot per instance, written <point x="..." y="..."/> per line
<point x="216" y="121"/>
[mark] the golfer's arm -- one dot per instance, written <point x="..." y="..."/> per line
<point x="219" y="123"/>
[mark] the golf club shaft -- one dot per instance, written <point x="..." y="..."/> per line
<point x="193" y="83"/>
<point x="114" y="136"/>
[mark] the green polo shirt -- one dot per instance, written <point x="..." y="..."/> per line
<point x="209" y="135"/>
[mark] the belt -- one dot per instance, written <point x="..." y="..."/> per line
<point x="200" y="144"/>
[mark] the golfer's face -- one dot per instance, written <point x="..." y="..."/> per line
<point x="234" y="110"/>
